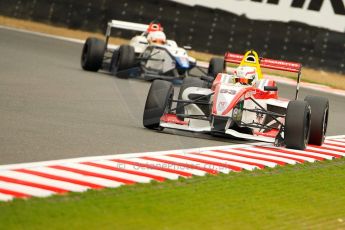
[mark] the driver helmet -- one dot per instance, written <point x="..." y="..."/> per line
<point x="157" y="37"/>
<point x="245" y="75"/>
<point x="154" y="27"/>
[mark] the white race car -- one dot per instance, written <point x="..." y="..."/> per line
<point x="240" y="104"/>
<point x="149" y="54"/>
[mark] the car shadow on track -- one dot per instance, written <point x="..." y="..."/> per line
<point x="225" y="140"/>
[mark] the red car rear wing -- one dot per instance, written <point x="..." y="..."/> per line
<point x="266" y="63"/>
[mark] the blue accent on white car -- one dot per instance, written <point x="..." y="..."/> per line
<point x="182" y="63"/>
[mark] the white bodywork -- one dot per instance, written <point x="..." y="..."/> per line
<point x="227" y="92"/>
<point x="140" y="42"/>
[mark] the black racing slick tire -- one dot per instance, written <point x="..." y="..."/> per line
<point x="158" y="101"/>
<point x="216" y="65"/>
<point x="122" y="59"/>
<point x="297" y="125"/>
<point x="319" y="119"/>
<point x="186" y="83"/>
<point x="92" y="54"/>
<point x="126" y="58"/>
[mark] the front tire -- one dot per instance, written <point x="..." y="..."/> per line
<point x="122" y="59"/>
<point x="319" y="119"/>
<point x="126" y="57"/>
<point x="157" y="103"/>
<point x="297" y="125"/>
<point x="92" y="54"/>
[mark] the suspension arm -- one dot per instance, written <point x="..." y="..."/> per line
<point x="270" y="115"/>
<point x="185" y="103"/>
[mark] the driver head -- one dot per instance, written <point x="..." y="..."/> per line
<point x="157" y="37"/>
<point x="246" y="75"/>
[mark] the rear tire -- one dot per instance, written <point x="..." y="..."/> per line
<point x="216" y="65"/>
<point x="186" y="83"/>
<point x="319" y="119"/>
<point x="92" y="54"/>
<point x="157" y="103"/>
<point x="297" y="125"/>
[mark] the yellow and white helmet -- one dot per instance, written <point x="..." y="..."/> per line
<point x="246" y="75"/>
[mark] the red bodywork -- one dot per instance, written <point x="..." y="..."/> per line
<point x="254" y="91"/>
<point x="244" y="93"/>
<point x="172" y="118"/>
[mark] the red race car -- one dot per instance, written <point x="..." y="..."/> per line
<point x="240" y="104"/>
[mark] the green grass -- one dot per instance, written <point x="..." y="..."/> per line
<point x="310" y="196"/>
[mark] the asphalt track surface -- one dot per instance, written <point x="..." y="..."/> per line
<point x="51" y="109"/>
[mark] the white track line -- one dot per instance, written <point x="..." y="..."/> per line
<point x="74" y="40"/>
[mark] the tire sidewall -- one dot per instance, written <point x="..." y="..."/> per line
<point x="126" y="57"/>
<point x="157" y="103"/>
<point x="216" y="65"/>
<point x="92" y="54"/>
<point x="319" y="119"/>
<point x="297" y="125"/>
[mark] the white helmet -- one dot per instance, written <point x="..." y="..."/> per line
<point x="245" y="75"/>
<point x="157" y="37"/>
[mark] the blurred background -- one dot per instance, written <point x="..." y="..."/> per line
<point x="307" y="31"/>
